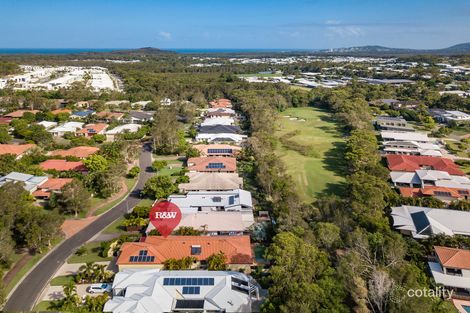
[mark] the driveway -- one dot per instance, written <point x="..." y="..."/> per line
<point x="29" y="290"/>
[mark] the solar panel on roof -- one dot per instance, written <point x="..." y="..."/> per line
<point x="191" y="290"/>
<point x="216" y="165"/>
<point x="442" y="193"/>
<point x="188" y="281"/>
<point x="189" y="304"/>
<point x="219" y="151"/>
<point x="420" y="220"/>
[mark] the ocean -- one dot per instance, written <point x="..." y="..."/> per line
<point x="178" y="50"/>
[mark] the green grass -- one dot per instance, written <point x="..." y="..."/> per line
<point x="62" y="280"/>
<point x="320" y="171"/>
<point x="29" y="265"/>
<point x="91" y="254"/>
<point x="115" y="227"/>
<point x="130" y="183"/>
<point x="43" y="306"/>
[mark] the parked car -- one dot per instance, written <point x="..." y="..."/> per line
<point x="99" y="288"/>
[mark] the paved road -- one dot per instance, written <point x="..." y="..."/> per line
<point x="27" y="293"/>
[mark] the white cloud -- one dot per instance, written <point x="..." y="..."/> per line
<point x="166" y="36"/>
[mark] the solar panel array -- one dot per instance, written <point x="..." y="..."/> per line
<point x="142" y="257"/>
<point x="220" y="151"/>
<point x="186" y="281"/>
<point x="216" y="165"/>
<point x="191" y="290"/>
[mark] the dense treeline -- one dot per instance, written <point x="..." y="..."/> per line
<point x="334" y="254"/>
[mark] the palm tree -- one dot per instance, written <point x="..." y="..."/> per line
<point x="99" y="272"/>
<point x="71" y="299"/>
<point x="86" y="271"/>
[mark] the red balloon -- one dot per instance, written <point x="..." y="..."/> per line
<point x="165" y="216"/>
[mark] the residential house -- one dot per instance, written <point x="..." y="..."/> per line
<point x="212" y="164"/>
<point x="411" y="148"/>
<point x="450" y="116"/>
<point x="30" y="182"/>
<point x="392" y="124"/>
<point x="406" y="136"/>
<point x="81" y="152"/>
<point x="202" y="181"/>
<point x="63" y="165"/>
<point x="117" y="103"/>
<point x="442" y="193"/>
<point x="220" y="103"/>
<point x="229" y="200"/>
<point x="20" y="113"/>
<point x="424" y="178"/>
<point x="90" y="130"/>
<point x="221" y="138"/>
<point x="47" y="124"/>
<point x="220" y="113"/>
<point x="68" y="127"/>
<point x="16" y="150"/>
<point x="106" y="116"/>
<point x="411" y="163"/>
<point x="82" y="114"/>
<point x="152" y="290"/>
<point x="218" y="121"/>
<point x="5" y="120"/>
<point x="61" y="111"/>
<point x="422" y="222"/>
<point x="52" y="185"/>
<point x="139" y="117"/>
<point x="220" y="129"/>
<point x="215" y="223"/>
<point x="451" y="268"/>
<point x="166" y="101"/>
<point x="121" y="129"/>
<point x="140" y="104"/>
<point x="159" y="249"/>
<point x="218" y="150"/>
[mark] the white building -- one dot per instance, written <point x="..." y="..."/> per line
<point x="154" y="291"/>
<point x="218" y="121"/>
<point x="422" y="222"/>
<point x="411" y="148"/>
<point x="121" y="129"/>
<point x="69" y="127"/>
<point x="423" y="178"/>
<point x="30" y="182"/>
<point x="221" y="137"/>
<point x="47" y="124"/>
<point x="406" y="136"/>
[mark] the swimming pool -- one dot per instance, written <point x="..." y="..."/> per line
<point x="466" y="308"/>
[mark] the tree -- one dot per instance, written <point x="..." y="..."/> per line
<point x="4" y="135"/>
<point x="159" y="187"/>
<point x="217" y="262"/>
<point x="99" y="138"/>
<point x="187" y="231"/>
<point x="158" y="165"/>
<point x="74" y="198"/>
<point x="133" y="172"/>
<point x="96" y="163"/>
<point x="165" y="132"/>
<point x="328" y="235"/>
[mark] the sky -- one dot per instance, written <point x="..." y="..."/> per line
<point x="255" y="24"/>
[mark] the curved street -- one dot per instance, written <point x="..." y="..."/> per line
<point x="28" y="291"/>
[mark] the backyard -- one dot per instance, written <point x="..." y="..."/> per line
<point x="311" y="147"/>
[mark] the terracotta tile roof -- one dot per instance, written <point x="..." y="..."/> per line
<point x="62" y="165"/>
<point x="20" y="113"/>
<point x="55" y="183"/>
<point x="58" y="111"/>
<point x="236" y="248"/>
<point x="93" y="128"/>
<point x="41" y="193"/>
<point x="15" y="149"/>
<point x="221" y="103"/>
<point x="431" y="191"/>
<point x="79" y="152"/>
<point x="204" y="149"/>
<point x="201" y="164"/>
<point x="5" y="120"/>
<point x="453" y="258"/>
<point x="110" y="115"/>
<point x="411" y="163"/>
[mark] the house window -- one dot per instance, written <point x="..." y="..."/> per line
<point x="195" y="250"/>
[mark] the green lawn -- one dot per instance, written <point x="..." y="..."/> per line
<point x="62" y="280"/>
<point x="115" y="227"/>
<point x="91" y="254"/>
<point x="130" y="183"/>
<point x="320" y="169"/>
<point x="43" y="306"/>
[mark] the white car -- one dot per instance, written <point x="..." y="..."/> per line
<point x="100" y="288"/>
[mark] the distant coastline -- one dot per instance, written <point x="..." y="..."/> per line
<point x="5" y="51"/>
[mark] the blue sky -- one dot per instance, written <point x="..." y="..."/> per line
<point x="233" y="24"/>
